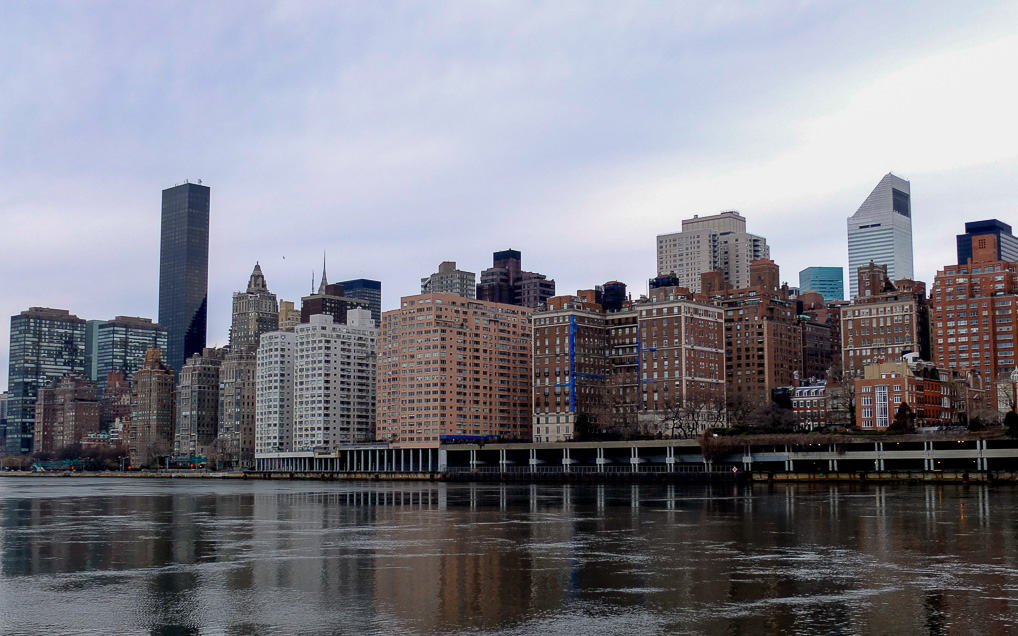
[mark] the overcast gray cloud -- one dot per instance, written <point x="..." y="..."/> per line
<point x="397" y="135"/>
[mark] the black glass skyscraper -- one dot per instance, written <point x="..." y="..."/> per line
<point x="184" y="271"/>
<point x="369" y="290"/>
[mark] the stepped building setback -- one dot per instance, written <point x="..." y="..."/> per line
<point x="505" y="282"/>
<point x="449" y="280"/>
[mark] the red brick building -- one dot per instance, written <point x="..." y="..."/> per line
<point x="885" y="386"/>
<point x="975" y="307"/>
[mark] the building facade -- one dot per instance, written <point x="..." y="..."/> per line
<point x="367" y="290"/>
<point x="449" y="280"/>
<point x="329" y="300"/>
<point x="45" y="345"/>
<point x="505" y="282"/>
<point x="121" y="345"/>
<point x="288" y="316"/>
<point x="448" y="365"/>
<point x="715" y="243"/>
<point x="197" y="410"/>
<point x="150" y="431"/>
<point x="763" y="339"/>
<point x="66" y="412"/>
<point x="334" y="381"/>
<point x="885" y="324"/>
<point x="274" y="393"/>
<point x="829" y="281"/>
<point x="236" y="431"/>
<point x="184" y="270"/>
<point x="255" y="312"/>
<point x="975" y="313"/>
<point x="115" y="403"/>
<point x="881" y="231"/>
<point x="885" y="386"/>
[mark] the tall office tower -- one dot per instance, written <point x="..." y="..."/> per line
<point x="184" y="270"/>
<point x="505" y="282"/>
<point x="150" y="431"/>
<point x="763" y="344"/>
<point x="274" y="393"/>
<point x="829" y="281"/>
<point x="715" y="243"/>
<point x="255" y="312"/>
<point x="1007" y="243"/>
<point x="121" y="345"/>
<point x="237" y="407"/>
<point x="65" y="413"/>
<point x="881" y="231"/>
<point x="884" y="321"/>
<point x="92" y="349"/>
<point x="449" y="365"/>
<point x="197" y="423"/>
<point x="449" y="280"/>
<point x="975" y="309"/>
<point x="288" y="316"/>
<point x="334" y="381"/>
<point x="46" y="345"/>
<point x="366" y="289"/>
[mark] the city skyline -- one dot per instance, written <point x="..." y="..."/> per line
<point x="468" y="174"/>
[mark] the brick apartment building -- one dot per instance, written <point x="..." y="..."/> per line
<point x="66" y="412"/>
<point x="628" y="369"/>
<point x="885" y="386"/>
<point x="885" y="321"/>
<point x="449" y="365"/>
<point x="974" y="307"/>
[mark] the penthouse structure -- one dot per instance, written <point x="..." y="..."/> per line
<point x="66" y="412"/>
<point x="885" y="321"/>
<point x="715" y="243"/>
<point x="334" y="379"/>
<point x="448" y="365"/>
<point x="505" y="282"/>
<point x="975" y="312"/>
<point x="1006" y="243"/>
<point x="449" y="280"/>
<point x="45" y="345"/>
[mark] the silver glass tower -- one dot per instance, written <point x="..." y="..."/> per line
<point x="881" y="231"/>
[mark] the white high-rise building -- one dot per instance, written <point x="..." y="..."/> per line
<point x="274" y="393"/>
<point x="334" y="381"/>
<point x="881" y="231"/>
<point x="708" y="244"/>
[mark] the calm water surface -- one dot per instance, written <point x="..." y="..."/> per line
<point x="196" y="557"/>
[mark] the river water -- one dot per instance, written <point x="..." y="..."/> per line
<point x="254" y="557"/>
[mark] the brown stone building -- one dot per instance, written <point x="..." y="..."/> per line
<point x="885" y="321"/>
<point x="763" y="339"/>
<point x="885" y="386"/>
<point x="115" y="403"/>
<point x="150" y="433"/>
<point x="449" y="365"/>
<point x="506" y="282"/>
<point x="66" y="412"/>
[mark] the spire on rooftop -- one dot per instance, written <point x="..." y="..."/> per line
<point x="325" y="280"/>
<point x="257" y="281"/>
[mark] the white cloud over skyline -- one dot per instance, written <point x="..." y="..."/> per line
<point x="399" y="135"/>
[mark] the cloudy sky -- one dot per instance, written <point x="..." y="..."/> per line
<point x="396" y="135"/>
